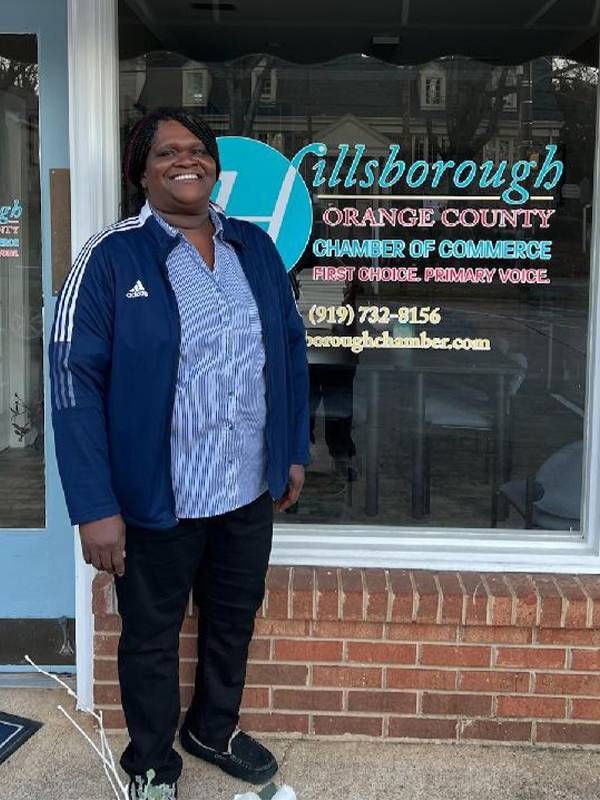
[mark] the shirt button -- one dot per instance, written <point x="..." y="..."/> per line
<point x="230" y="426"/>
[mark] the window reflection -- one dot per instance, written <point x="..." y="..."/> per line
<point x="462" y="438"/>
<point x="21" y="369"/>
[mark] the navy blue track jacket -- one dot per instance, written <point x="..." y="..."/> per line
<point x="114" y="363"/>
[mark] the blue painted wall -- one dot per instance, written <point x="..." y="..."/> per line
<point x="37" y="577"/>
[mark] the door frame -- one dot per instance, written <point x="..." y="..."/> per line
<point x="95" y="180"/>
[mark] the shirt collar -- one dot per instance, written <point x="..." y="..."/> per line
<point x="214" y="218"/>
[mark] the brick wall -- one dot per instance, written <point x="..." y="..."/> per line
<point x="406" y="654"/>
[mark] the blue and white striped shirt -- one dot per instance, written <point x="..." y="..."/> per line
<point x="218" y="451"/>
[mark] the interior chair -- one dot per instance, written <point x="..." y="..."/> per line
<point x="551" y="499"/>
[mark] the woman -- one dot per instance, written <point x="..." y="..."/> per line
<point x="180" y="409"/>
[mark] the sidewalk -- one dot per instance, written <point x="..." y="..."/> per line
<point x="57" y="764"/>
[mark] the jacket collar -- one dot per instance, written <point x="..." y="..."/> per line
<point x="229" y="228"/>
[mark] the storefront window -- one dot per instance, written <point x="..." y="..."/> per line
<point x="21" y="383"/>
<point x="445" y="284"/>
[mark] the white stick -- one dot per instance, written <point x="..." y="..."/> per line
<point x="104" y="752"/>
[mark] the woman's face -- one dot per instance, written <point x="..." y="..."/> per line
<point x="179" y="174"/>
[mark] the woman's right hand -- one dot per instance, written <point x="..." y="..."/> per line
<point x="103" y="544"/>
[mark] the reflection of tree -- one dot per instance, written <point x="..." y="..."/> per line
<point x="474" y="103"/>
<point x="243" y="108"/>
<point x="14" y="74"/>
<point x="575" y="87"/>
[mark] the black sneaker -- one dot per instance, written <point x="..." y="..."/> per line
<point x="244" y="758"/>
<point x="142" y="787"/>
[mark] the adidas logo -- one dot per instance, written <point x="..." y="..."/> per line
<point x="137" y="290"/>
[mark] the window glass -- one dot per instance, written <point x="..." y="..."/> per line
<point x="445" y="284"/>
<point x="21" y="359"/>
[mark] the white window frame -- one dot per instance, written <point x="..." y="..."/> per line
<point x="509" y="100"/>
<point x="270" y="95"/>
<point x="425" y="76"/>
<point x="190" y="72"/>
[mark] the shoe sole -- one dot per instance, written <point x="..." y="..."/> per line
<point x="228" y="763"/>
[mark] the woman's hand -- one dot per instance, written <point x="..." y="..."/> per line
<point x="103" y="544"/>
<point x="294" y="487"/>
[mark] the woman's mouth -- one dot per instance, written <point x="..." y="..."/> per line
<point x="188" y="176"/>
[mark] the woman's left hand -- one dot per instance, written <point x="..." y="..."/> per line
<point x="294" y="487"/>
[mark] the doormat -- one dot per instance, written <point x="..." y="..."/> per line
<point x="13" y="732"/>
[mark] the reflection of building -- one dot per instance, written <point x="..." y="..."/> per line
<point x="383" y="75"/>
<point x="405" y="104"/>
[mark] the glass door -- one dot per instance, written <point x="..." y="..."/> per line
<point x="22" y="483"/>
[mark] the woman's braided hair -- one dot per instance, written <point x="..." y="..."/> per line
<point x="139" y="142"/>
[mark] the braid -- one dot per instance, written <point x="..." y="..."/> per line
<point x="139" y="142"/>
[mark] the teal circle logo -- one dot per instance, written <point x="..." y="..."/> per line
<point x="259" y="184"/>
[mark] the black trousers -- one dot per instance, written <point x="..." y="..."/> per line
<point x="224" y="560"/>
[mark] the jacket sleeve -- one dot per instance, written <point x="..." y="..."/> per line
<point x="296" y="337"/>
<point x="80" y="357"/>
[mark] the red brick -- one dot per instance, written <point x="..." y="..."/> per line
<point x="383" y="702"/>
<point x="105" y="669"/>
<point x="586" y="660"/>
<point x="420" y="679"/>
<point x="493" y="681"/>
<point x="113" y="719"/>
<point x="531" y="657"/>
<point x="276" y="674"/>
<point x="556" y="683"/>
<point x="303" y="585"/>
<point x="190" y="626"/>
<point x="382" y="653"/>
<point x="274" y="723"/>
<point x="476" y="601"/>
<point x="104" y="623"/>
<point x="492" y="634"/>
<point x="255" y="697"/>
<point x="307" y="699"/>
<point x="377" y="595"/>
<point x="347" y="630"/>
<point x="585" y="709"/>
<point x="568" y="733"/>
<point x="187" y="672"/>
<point x="280" y="627"/>
<point x="107" y="694"/>
<point x="366" y="677"/>
<point x="412" y="632"/>
<point x="103" y="598"/>
<point x="188" y="647"/>
<point x="259" y="650"/>
<point x="352" y="594"/>
<point x="326" y="581"/>
<point x="452" y="598"/>
<point x="526" y="599"/>
<point x="422" y="728"/>
<point x="277" y="594"/>
<point x="428" y="597"/>
<point x="576" y="600"/>
<point x="106" y="644"/>
<point x="496" y="730"/>
<point x="551" y="601"/>
<point x="402" y="594"/>
<point x="307" y="650"/>
<point x="501" y="598"/>
<point x="591" y="586"/>
<point x="337" y="726"/>
<point x="536" y="707"/>
<point x="185" y="693"/>
<point x="585" y="638"/>
<point x="457" y="705"/>
<point x="455" y="655"/>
